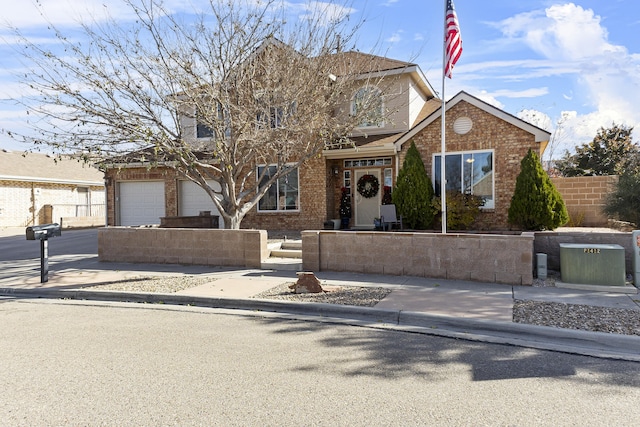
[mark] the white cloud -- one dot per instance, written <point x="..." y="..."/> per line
<point x="573" y="42"/>
<point x="526" y="93"/>
<point x="489" y="99"/>
<point x="328" y="12"/>
<point x="62" y="12"/>
<point x="395" y="37"/>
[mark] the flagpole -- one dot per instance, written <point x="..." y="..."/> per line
<point x="443" y="183"/>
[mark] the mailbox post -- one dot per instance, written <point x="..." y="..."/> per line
<point x="42" y="233"/>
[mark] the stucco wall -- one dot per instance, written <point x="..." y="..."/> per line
<point x="484" y="258"/>
<point x="22" y="203"/>
<point x="243" y="248"/>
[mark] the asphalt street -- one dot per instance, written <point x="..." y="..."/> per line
<point x="74" y="242"/>
<point x="83" y="363"/>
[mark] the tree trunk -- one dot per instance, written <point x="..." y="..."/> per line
<point x="232" y="222"/>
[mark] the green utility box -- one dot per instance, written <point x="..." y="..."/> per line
<point x="592" y="264"/>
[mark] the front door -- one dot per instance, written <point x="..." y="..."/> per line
<point x="367" y="208"/>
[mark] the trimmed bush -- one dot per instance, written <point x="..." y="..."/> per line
<point x="413" y="192"/>
<point x="536" y="204"/>
<point x="462" y="209"/>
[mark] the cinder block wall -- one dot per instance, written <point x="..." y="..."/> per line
<point x="585" y="197"/>
<point x="478" y="257"/>
<point x="548" y="242"/>
<point x="244" y="248"/>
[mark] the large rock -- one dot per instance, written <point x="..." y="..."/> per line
<point x="307" y="283"/>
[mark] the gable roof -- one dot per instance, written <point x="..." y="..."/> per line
<point x="38" y="167"/>
<point x="541" y="135"/>
<point x="358" y="65"/>
<point x="361" y="63"/>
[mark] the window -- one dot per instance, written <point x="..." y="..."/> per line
<point x="365" y="163"/>
<point x="367" y="102"/>
<point x="272" y="111"/>
<point x="347" y="181"/>
<point x="388" y="177"/>
<point x="84" y="202"/>
<point x="204" y="131"/>
<point x="282" y="195"/>
<point x="270" y="118"/>
<point x="469" y="173"/>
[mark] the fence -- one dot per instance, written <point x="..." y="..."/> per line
<point x="75" y="215"/>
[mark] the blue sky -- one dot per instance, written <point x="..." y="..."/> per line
<point x="539" y="59"/>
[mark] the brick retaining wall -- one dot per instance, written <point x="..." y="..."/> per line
<point x="479" y="257"/>
<point x="242" y="248"/>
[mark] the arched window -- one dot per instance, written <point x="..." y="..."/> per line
<point x="367" y="103"/>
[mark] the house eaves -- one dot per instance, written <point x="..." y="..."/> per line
<point x="36" y="179"/>
<point x="387" y="149"/>
<point x="541" y="135"/>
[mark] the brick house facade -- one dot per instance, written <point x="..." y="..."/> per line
<point x="488" y="135"/>
<point x="505" y="136"/>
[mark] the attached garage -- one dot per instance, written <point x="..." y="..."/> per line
<point x="193" y="199"/>
<point x="141" y="202"/>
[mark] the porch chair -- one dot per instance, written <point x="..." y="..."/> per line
<point x="389" y="218"/>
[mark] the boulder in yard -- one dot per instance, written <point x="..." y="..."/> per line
<point x="307" y="283"/>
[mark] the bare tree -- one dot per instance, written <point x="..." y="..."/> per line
<point x="559" y="134"/>
<point x="256" y="88"/>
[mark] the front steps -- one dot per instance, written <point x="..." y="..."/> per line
<point x="286" y="255"/>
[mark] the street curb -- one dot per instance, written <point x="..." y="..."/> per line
<point x="596" y="344"/>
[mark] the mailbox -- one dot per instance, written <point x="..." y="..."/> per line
<point x="44" y="231"/>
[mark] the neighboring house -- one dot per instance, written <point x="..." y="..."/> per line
<point x="37" y="189"/>
<point x="484" y="147"/>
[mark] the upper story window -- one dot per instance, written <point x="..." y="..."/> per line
<point x="274" y="116"/>
<point x="204" y="130"/>
<point x="469" y="173"/>
<point x="368" y="102"/>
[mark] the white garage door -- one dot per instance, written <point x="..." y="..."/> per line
<point x="142" y="202"/>
<point x="193" y="199"/>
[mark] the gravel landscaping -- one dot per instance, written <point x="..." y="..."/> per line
<point x="159" y="284"/>
<point x="576" y="316"/>
<point x="559" y="315"/>
<point x="345" y="295"/>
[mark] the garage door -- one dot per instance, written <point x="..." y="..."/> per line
<point x="141" y="203"/>
<point x="193" y="199"/>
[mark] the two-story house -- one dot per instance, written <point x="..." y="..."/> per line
<point x="484" y="147"/>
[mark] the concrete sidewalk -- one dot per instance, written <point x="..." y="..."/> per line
<point x="459" y="309"/>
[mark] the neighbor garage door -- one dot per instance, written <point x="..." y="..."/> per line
<point x="194" y="199"/>
<point x="141" y="202"/>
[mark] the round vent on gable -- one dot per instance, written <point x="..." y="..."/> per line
<point x="462" y="125"/>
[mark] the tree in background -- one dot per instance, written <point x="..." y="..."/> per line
<point x="624" y="203"/>
<point x="262" y="87"/>
<point x="413" y="192"/>
<point x="559" y="135"/>
<point x="610" y="153"/>
<point x="536" y="204"/>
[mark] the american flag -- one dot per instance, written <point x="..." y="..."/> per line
<point x="453" y="39"/>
